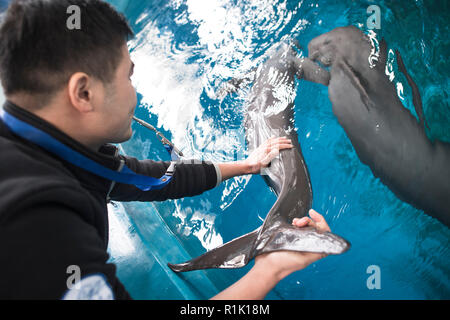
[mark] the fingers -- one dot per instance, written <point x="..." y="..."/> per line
<point x="273" y="147"/>
<point x="269" y="157"/>
<point x="317" y="221"/>
<point x="278" y="141"/>
<point x="301" y="222"/>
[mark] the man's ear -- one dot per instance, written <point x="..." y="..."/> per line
<point x="81" y="91"/>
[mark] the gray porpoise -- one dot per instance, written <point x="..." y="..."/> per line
<point x="384" y="134"/>
<point x="270" y="114"/>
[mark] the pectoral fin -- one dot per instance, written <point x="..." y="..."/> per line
<point x="311" y="71"/>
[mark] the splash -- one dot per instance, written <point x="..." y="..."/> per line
<point x="375" y="51"/>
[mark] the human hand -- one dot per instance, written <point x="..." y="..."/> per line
<point x="265" y="153"/>
<point x="270" y="268"/>
<point x="283" y="263"/>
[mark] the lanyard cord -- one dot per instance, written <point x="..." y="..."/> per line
<point x="47" y="142"/>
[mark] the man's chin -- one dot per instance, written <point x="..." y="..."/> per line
<point x="127" y="136"/>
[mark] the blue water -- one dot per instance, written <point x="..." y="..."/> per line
<point x="184" y="50"/>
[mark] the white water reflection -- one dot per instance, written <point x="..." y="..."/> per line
<point x="200" y="223"/>
<point x="229" y="45"/>
<point x="120" y="242"/>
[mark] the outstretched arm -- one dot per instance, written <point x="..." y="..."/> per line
<point x="258" y="159"/>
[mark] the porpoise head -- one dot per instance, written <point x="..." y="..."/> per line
<point x="341" y="42"/>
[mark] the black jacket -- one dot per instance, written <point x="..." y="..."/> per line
<point x="54" y="215"/>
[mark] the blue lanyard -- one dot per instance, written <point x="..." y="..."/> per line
<point x="47" y="142"/>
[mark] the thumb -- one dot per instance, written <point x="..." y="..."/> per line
<point x="319" y="220"/>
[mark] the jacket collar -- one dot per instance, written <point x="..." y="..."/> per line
<point x="106" y="155"/>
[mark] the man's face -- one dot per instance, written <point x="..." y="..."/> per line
<point x="119" y="102"/>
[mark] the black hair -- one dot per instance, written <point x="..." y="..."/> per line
<point x="39" y="52"/>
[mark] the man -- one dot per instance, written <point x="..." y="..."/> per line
<point x="69" y="95"/>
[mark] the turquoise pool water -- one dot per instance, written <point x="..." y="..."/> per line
<point x="184" y="50"/>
